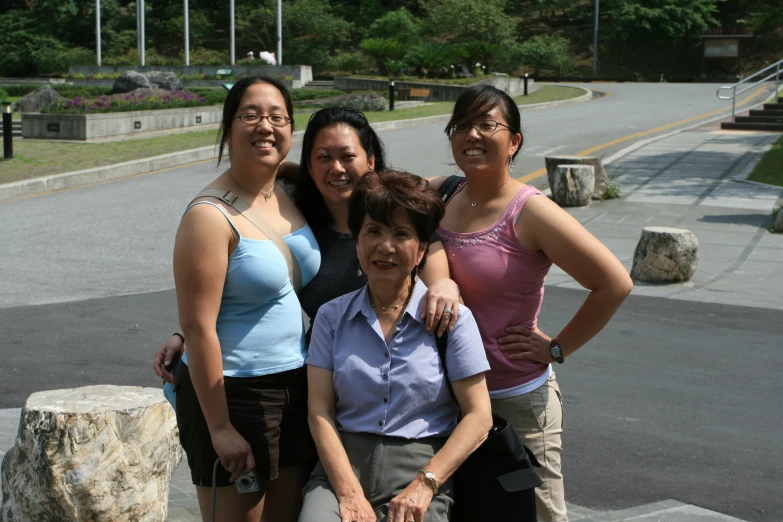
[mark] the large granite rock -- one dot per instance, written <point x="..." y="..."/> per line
<point x="572" y="185"/>
<point x="665" y="255"/>
<point x="777" y="225"/>
<point x="98" y="454"/>
<point x="130" y="81"/>
<point x="601" y="179"/>
<point x="164" y="80"/>
<point x="37" y="100"/>
<point x="365" y="101"/>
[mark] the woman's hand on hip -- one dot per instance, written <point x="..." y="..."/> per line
<point x="440" y="306"/>
<point x="412" y="503"/>
<point x="234" y="451"/>
<point x="523" y="343"/>
<point x="165" y="355"/>
<point x="355" y="508"/>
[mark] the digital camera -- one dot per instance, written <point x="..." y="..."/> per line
<point x="248" y="483"/>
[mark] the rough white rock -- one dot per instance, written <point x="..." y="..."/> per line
<point x="572" y="185"/>
<point x="41" y="98"/>
<point x="665" y="255"/>
<point x="777" y="226"/>
<point x="97" y="453"/>
<point x="601" y="179"/>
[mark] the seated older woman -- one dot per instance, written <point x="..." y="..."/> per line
<point x="388" y="430"/>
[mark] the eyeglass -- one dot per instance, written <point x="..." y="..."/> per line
<point x="484" y="126"/>
<point x="275" y="120"/>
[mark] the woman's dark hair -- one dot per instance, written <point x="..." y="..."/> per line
<point x="380" y="194"/>
<point x="234" y="98"/>
<point x="478" y="100"/>
<point x="307" y="196"/>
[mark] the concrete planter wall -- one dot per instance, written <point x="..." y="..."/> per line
<point x="185" y="83"/>
<point x="90" y="126"/>
<point x="438" y="91"/>
<point x="301" y="74"/>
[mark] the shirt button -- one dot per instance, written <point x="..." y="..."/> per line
<point x="380" y="423"/>
<point x="385" y="399"/>
<point x="386" y="354"/>
<point x="385" y="376"/>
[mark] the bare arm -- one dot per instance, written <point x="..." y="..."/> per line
<point x="545" y="226"/>
<point x="288" y="172"/>
<point x="442" y="292"/>
<point x="473" y="398"/>
<point x="321" y="418"/>
<point x="200" y="264"/>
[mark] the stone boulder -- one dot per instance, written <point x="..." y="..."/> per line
<point x="777" y="225"/>
<point x="365" y="101"/>
<point x="37" y="100"/>
<point x="130" y="81"/>
<point x="97" y="453"/>
<point x="665" y="255"/>
<point x="572" y="185"/>
<point x="164" y="80"/>
<point x="601" y="179"/>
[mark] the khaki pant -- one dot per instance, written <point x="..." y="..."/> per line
<point x="537" y="417"/>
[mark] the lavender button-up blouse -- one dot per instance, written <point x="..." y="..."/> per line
<point x="396" y="389"/>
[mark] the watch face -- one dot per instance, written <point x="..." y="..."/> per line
<point x="555" y="352"/>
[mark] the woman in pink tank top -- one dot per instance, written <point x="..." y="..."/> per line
<point x="501" y="238"/>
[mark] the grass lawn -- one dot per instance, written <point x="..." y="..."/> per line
<point x="42" y="158"/>
<point x="770" y="169"/>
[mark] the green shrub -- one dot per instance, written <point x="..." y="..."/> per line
<point x="3" y="96"/>
<point x="312" y="94"/>
<point x="546" y="53"/>
<point x="126" y="102"/>
<point x="212" y="95"/>
<point x="58" y="61"/>
<point x="201" y="56"/>
<point x="431" y="57"/>
<point x="132" y="57"/>
<point x="348" y="62"/>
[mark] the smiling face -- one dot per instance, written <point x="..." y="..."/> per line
<point x="485" y="152"/>
<point x="337" y="162"/>
<point x="261" y="144"/>
<point x="389" y="253"/>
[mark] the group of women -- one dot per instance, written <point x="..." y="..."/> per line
<point x="385" y="266"/>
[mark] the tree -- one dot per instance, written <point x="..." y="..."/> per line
<point x="383" y="50"/>
<point x="430" y="57"/>
<point x="400" y="25"/>
<point x="670" y="19"/>
<point x="545" y="53"/>
<point x="464" y="21"/>
<point x="311" y="32"/>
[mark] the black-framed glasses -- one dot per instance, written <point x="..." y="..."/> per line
<point x="275" y="120"/>
<point x="483" y="126"/>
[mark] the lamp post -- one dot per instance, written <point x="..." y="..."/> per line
<point x="98" y="29"/>
<point x="8" y="132"/>
<point x="233" y="40"/>
<point x="187" y="34"/>
<point x="140" y="30"/>
<point x="595" y="38"/>
<point x="279" y="32"/>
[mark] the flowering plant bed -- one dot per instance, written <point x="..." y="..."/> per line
<point x="133" y="101"/>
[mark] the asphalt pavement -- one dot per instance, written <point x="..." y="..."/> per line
<point x="671" y="413"/>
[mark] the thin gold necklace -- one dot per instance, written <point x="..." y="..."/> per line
<point x="391" y="307"/>
<point x="475" y="201"/>
<point x="267" y="195"/>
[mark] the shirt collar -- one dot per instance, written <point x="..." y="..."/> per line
<point x="362" y="303"/>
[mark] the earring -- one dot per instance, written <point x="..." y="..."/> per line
<point x="416" y="274"/>
<point x="359" y="273"/>
<point x="511" y="164"/>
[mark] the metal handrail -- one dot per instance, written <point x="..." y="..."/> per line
<point x="733" y="97"/>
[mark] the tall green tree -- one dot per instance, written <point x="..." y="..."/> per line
<point x="465" y="21"/>
<point x="670" y="19"/>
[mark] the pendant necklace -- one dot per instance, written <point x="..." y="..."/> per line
<point x="474" y="202"/>
<point x="267" y="195"/>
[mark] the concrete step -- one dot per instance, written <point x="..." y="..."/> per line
<point x="770" y="112"/>
<point x="731" y="125"/>
<point x="759" y="119"/>
<point x="773" y="106"/>
<point x="320" y="84"/>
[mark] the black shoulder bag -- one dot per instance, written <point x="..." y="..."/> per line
<point x="497" y="481"/>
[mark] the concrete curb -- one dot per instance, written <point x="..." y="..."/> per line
<point x="80" y="178"/>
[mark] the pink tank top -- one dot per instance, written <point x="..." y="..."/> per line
<point x="502" y="283"/>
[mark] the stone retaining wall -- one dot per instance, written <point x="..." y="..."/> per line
<point x="438" y="91"/>
<point x="89" y="126"/>
<point x="301" y="74"/>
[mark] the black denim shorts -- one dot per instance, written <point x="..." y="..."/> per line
<point x="269" y="411"/>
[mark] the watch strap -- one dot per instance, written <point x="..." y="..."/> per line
<point x="429" y="477"/>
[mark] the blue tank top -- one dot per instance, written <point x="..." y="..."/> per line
<point x="260" y="325"/>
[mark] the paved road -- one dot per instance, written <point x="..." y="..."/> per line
<point x="674" y="400"/>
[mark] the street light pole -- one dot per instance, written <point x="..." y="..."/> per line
<point x="98" y="29"/>
<point x="233" y="41"/>
<point x="279" y="32"/>
<point x="142" y="54"/>
<point x="595" y="38"/>
<point x="187" y="34"/>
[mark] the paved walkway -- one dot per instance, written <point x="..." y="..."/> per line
<point x="686" y="181"/>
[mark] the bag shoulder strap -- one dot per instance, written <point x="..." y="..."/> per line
<point x="232" y="200"/>
<point x="448" y="187"/>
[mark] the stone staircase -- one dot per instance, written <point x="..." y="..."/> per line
<point x="320" y="84"/>
<point x="768" y="119"/>
<point x="16" y="129"/>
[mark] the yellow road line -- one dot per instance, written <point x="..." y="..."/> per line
<point x="541" y="172"/>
